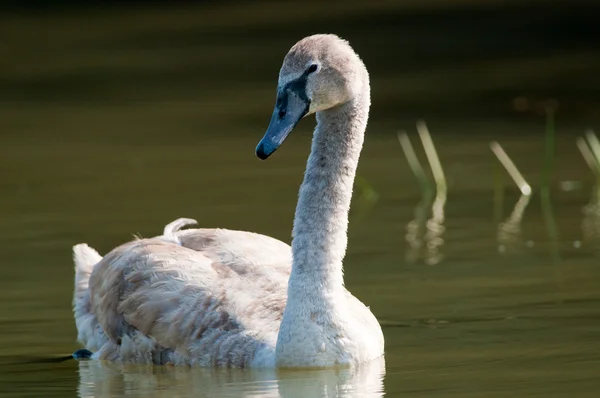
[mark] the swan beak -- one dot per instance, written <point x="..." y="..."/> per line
<point x="291" y="106"/>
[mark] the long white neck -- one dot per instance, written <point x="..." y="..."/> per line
<point x="321" y="221"/>
<point x="316" y="293"/>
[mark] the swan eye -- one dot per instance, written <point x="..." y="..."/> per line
<point x="313" y="68"/>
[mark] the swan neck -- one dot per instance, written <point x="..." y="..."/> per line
<point x="321" y="222"/>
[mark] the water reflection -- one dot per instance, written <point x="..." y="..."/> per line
<point x="435" y="230"/>
<point x="415" y="230"/>
<point x="104" y="379"/>
<point x="509" y="231"/>
<point x="425" y="235"/>
<point x="590" y="225"/>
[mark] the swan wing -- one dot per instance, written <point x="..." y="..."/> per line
<point x="244" y="252"/>
<point x="215" y="300"/>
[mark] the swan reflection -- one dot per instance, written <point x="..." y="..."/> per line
<point x="105" y="379"/>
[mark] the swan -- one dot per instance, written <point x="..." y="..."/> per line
<point x="225" y="298"/>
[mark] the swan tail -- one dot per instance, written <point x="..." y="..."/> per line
<point x="174" y="226"/>
<point x="85" y="259"/>
<point x="171" y="229"/>
<point x="89" y="331"/>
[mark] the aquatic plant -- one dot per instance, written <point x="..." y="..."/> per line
<point x="549" y="220"/>
<point x="433" y="227"/>
<point x="509" y="230"/>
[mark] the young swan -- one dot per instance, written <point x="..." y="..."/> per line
<point x="322" y="74"/>
<point x="214" y="297"/>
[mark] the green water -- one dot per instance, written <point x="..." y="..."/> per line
<point x="141" y="119"/>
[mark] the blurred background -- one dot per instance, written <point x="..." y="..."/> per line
<point x="118" y="117"/>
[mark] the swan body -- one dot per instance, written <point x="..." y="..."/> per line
<point x="224" y="298"/>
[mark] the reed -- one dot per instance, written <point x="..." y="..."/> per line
<point x="510" y="167"/>
<point x="414" y="164"/>
<point x="591" y="160"/>
<point x="594" y="144"/>
<point x="432" y="156"/>
<point x="546" y="202"/>
<point x="423" y="233"/>
<point x="509" y="231"/>
<point x="498" y="193"/>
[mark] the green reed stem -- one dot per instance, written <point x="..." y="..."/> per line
<point x="546" y="203"/>
<point x="414" y="164"/>
<point x="498" y="193"/>
<point x="433" y="158"/>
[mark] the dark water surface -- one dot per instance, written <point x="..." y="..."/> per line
<point x="142" y="119"/>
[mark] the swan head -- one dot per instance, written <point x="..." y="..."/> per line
<point x="318" y="73"/>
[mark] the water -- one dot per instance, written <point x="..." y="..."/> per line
<point x="472" y="303"/>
